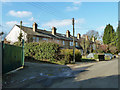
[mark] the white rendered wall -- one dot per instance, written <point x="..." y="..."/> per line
<point x="14" y="34"/>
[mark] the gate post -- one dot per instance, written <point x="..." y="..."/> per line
<point x="22" y="52"/>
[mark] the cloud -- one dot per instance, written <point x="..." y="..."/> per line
<point x="101" y="28"/>
<point x="31" y="19"/>
<point x="20" y="13"/>
<point x="77" y="2"/>
<point x="12" y="23"/>
<point x="72" y="8"/>
<point x="60" y="23"/>
<point x="75" y="6"/>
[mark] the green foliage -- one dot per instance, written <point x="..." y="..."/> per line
<point x="42" y="50"/>
<point x="18" y="43"/>
<point x="107" y="57"/>
<point x="20" y="37"/>
<point x="68" y="55"/>
<point x="96" y="56"/>
<point x="109" y="35"/>
<point x="118" y="39"/>
<point x="48" y="51"/>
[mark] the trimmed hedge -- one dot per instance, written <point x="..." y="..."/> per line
<point x="48" y="51"/>
<point x="41" y="50"/>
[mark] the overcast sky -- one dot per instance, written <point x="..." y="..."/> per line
<point x="88" y="15"/>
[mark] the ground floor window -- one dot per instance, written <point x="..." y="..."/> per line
<point x="71" y="43"/>
<point x="46" y="39"/>
<point x="63" y="42"/>
<point x="34" y="39"/>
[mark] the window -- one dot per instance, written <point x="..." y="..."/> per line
<point x="76" y="43"/>
<point x="34" y="39"/>
<point x="71" y="43"/>
<point x="37" y="40"/>
<point x="63" y="42"/>
<point x="57" y="41"/>
<point x="45" y="39"/>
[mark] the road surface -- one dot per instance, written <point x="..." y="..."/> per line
<point x="102" y="74"/>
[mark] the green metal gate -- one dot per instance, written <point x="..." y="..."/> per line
<point x="12" y="57"/>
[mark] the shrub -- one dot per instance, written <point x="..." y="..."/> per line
<point x="68" y="55"/>
<point x="107" y="57"/>
<point x="41" y="50"/>
<point x="96" y="56"/>
<point x="49" y="51"/>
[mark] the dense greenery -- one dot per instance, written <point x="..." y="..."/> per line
<point x="68" y="55"/>
<point x="48" y="51"/>
<point x="109" y="36"/>
<point x="20" y="37"/>
<point x="118" y="39"/>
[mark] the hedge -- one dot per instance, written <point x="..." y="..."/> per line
<point x="68" y="55"/>
<point x="41" y="50"/>
<point x="50" y="52"/>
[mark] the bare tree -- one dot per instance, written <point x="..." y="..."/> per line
<point x="93" y="33"/>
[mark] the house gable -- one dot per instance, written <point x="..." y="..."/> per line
<point x="13" y="35"/>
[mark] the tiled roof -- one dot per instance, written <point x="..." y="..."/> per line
<point x="44" y="33"/>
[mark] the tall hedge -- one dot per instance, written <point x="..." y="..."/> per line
<point x="41" y="50"/>
<point x="49" y="51"/>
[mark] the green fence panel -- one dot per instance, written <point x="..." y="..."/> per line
<point x="12" y="57"/>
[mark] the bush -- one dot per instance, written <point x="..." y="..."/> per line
<point x="68" y="55"/>
<point x="95" y="56"/>
<point x="48" y="51"/>
<point x="107" y="57"/>
<point x="41" y="50"/>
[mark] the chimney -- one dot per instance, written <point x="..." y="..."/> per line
<point x="78" y="36"/>
<point x="34" y="26"/>
<point x="86" y="37"/>
<point x="93" y="39"/>
<point x="68" y="33"/>
<point x="54" y="30"/>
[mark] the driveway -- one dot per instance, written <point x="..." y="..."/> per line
<point x="81" y="75"/>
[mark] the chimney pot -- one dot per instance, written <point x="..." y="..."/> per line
<point x="93" y="39"/>
<point x="78" y="36"/>
<point x="68" y="33"/>
<point x="34" y="26"/>
<point x="86" y="37"/>
<point x="54" y="30"/>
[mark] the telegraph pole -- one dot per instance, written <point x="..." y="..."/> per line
<point x="73" y="41"/>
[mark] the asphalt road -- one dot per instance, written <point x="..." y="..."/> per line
<point x="102" y="74"/>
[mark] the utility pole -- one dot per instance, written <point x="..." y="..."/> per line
<point x="73" y="41"/>
<point x="20" y="26"/>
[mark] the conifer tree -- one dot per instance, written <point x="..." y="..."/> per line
<point x="109" y="36"/>
<point x="118" y="38"/>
